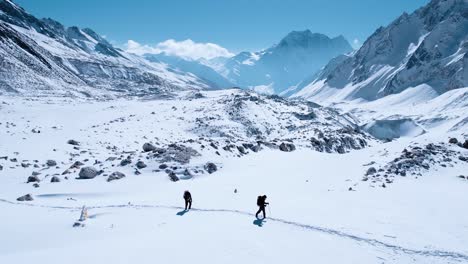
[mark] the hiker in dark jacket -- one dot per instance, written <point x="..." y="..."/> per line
<point x="261" y="205"/>
<point x="188" y="200"/>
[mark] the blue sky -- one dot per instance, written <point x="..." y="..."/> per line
<point x="236" y="24"/>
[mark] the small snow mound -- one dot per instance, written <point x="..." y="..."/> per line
<point x="391" y="129"/>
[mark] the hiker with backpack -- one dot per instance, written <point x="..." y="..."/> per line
<point x="188" y="200"/>
<point x="261" y="202"/>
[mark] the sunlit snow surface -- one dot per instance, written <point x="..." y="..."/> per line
<point x="313" y="216"/>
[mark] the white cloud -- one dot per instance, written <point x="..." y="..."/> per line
<point x="186" y="49"/>
<point x="356" y="43"/>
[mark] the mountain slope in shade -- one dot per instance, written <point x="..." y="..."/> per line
<point x="42" y="57"/>
<point x="296" y="57"/>
<point x="197" y="68"/>
<point x="428" y="47"/>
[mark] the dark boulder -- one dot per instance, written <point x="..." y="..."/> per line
<point x="125" y="162"/>
<point x="33" y="178"/>
<point x="210" y="167"/>
<point x="55" y="179"/>
<point x="371" y="171"/>
<point x="147" y="147"/>
<point x="27" y="197"/>
<point x="115" y="176"/>
<point x="287" y="147"/>
<point x="73" y="142"/>
<point x="88" y="173"/>
<point x="51" y="163"/>
<point x="173" y="176"/>
<point x="140" y="165"/>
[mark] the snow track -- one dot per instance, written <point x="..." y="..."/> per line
<point x="373" y="242"/>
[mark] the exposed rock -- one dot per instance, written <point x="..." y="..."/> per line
<point x="36" y="185"/>
<point x="287" y="147"/>
<point x="163" y="166"/>
<point x="51" y="163"/>
<point x="73" y="142"/>
<point x="462" y="158"/>
<point x="27" y="197"/>
<point x="371" y="171"/>
<point x="241" y="149"/>
<point x="210" y="167"/>
<point x="76" y="165"/>
<point x="125" y="162"/>
<point x="33" y="178"/>
<point x="453" y="141"/>
<point x="178" y="153"/>
<point x="88" y="173"/>
<point x="55" y="179"/>
<point x="173" y="176"/>
<point x="465" y="144"/>
<point x="147" y="147"/>
<point x="115" y="176"/>
<point x="140" y="165"/>
<point x="1" y="167"/>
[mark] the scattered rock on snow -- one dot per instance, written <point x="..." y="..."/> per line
<point x="125" y="162"/>
<point x="453" y="141"/>
<point x="33" y="178"/>
<point x="55" y="179"/>
<point x="371" y="171"/>
<point x="51" y="163"/>
<point x="140" y="165"/>
<point x="27" y="197"/>
<point x="73" y="142"/>
<point x="88" y="173"/>
<point x="173" y="176"/>
<point x="115" y="176"/>
<point x="287" y="147"/>
<point x="147" y="147"/>
<point x="210" y="167"/>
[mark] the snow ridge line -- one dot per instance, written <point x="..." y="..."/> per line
<point x="370" y="241"/>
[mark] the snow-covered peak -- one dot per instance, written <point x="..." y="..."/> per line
<point x="42" y="57"/>
<point x="425" y="47"/>
<point x="297" y="57"/>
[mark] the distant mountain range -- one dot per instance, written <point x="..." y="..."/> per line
<point x="42" y="57"/>
<point x="276" y="69"/>
<point x="428" y="47"/>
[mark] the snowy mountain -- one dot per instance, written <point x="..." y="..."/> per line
<point x="274" y="70"/>
<point x="42" y="57"/>
<point x="427" y="47"/>
<point x="202" y="71"/>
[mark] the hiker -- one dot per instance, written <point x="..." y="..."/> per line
<point x="188" y="200"/>
<point x="261" y="205"/>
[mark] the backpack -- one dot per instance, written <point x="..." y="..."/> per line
<point x="259" y="201"/>
<point x="187" y="195"/>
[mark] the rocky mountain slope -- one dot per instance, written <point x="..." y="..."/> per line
<point x="427" y="47"/>
<point x="274" y="70"/>
<point x="43" y="57"/>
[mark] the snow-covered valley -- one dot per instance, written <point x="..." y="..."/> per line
<point x="324" y="206"/>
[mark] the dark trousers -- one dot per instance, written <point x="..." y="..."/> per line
<point x="188" y="203"/>
<point x="261" y="209"/>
